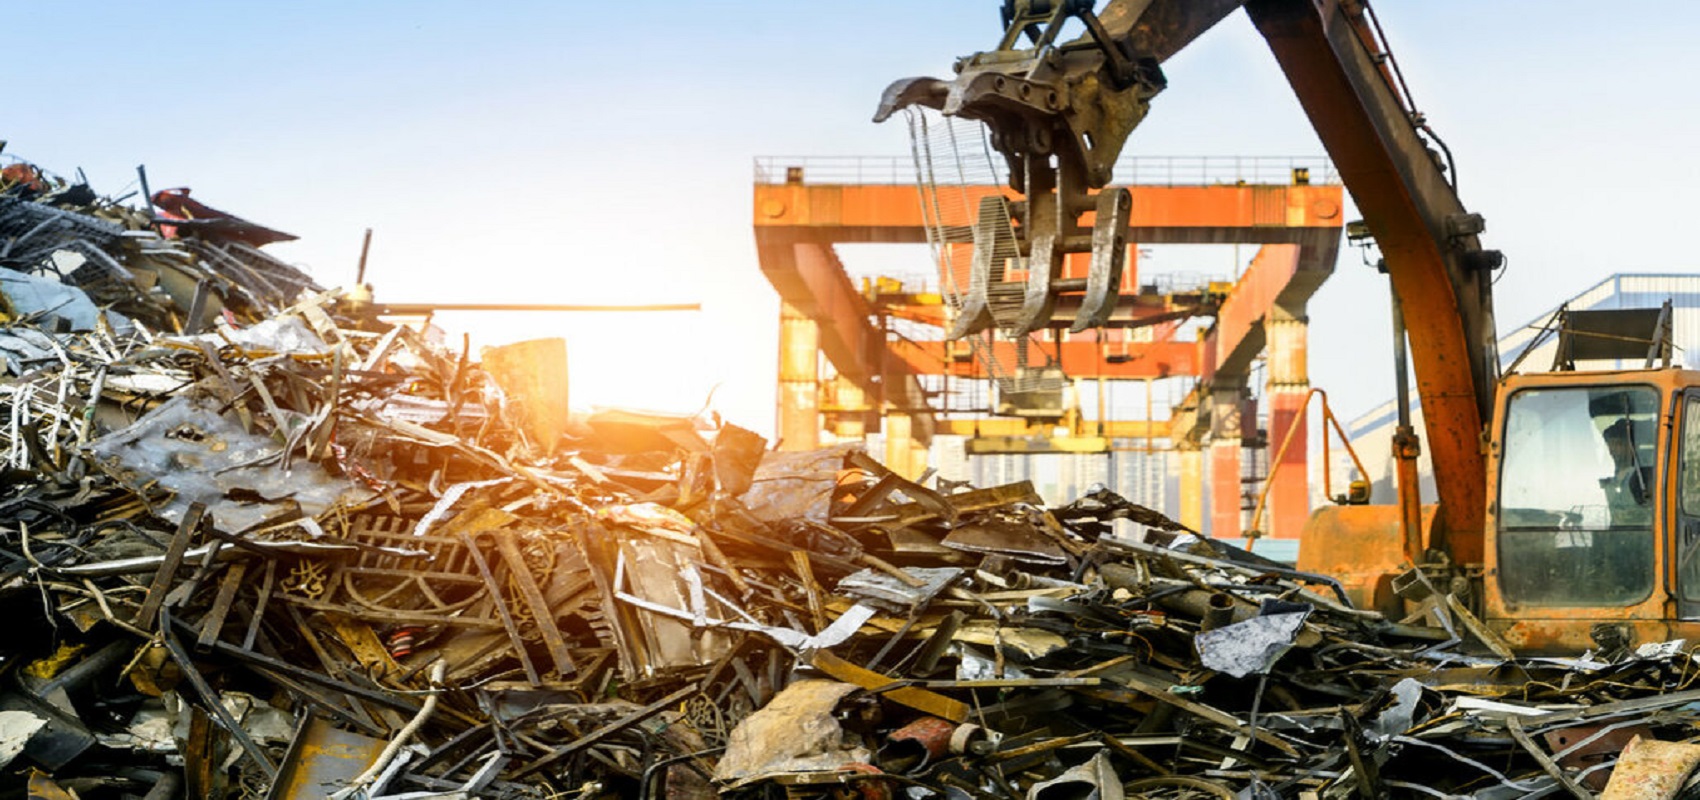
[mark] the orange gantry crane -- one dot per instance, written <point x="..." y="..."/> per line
<point x="803" y="207"/>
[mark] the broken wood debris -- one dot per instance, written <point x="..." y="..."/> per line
<point x="305" y="554"/>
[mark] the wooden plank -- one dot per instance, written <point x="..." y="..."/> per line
<point x="811" y="587"/>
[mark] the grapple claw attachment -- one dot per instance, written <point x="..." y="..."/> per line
<point x="994" y="245"/>
<point x="1109" y="255"/>
<point x="901" y="94"/>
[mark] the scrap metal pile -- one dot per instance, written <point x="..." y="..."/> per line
<point x="305" y="554"/>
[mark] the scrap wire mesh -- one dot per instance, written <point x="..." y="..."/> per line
<point x="31" y="232"/>
<point x="954" y="165"/>
<point x="50" y="413"/>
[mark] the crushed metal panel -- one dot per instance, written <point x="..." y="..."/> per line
<point x="798" y="485"/>
<point x="16" y="728"/>
<point x="972" y="666"/>
<point x="1018" y="540"/>
<point x="202" y="456"/>
<point x="1252" y="646"/>
<point x="887" y="591"/>
<point x="273" y="335"/>
<point x="321" y="760"/>
<point x="659" y="572"/>
<point x="656" y="570"/>
<point x="533" y="379"/>
<point x="795" y="732"/>
<point x="29" y="295"/>
<point x="626" y="431"/>
<point x="22" y="347"/>
<point x="1398" y="717"/>
<point x="61" y="738"/>
<point x="738" y="453"/>
<point x="1093" y="780"/>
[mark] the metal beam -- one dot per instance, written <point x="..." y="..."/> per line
<point x="1112" y="361"/>
<point x="992" y="427"/>
<point x="1227" y="214"/>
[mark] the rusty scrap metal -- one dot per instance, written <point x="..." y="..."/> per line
<point x="305" y="553"/>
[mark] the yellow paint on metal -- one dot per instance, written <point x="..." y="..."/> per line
<point x="989" y="445"/>
<point x="920" y="699"/>
<point x="46" y="668"/>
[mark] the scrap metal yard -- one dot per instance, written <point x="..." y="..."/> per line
<point x="269" y="533"/>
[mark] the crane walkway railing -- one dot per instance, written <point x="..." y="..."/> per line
<point x="1131" y="170"/>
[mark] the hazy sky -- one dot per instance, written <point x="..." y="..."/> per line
<point x="582" y="152"/>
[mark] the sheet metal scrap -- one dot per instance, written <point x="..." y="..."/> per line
<point x="301" y="553"/>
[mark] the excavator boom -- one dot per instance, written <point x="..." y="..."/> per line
<point x="1060" y="113"/>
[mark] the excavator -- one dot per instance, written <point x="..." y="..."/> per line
<point x="1566" y="514"/>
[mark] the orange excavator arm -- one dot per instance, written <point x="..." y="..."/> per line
<point x="1060" y="112"/>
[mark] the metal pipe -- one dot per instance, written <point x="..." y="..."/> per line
<point x="365" y="247"/>
<point x="1206" y="606"/>
<point x="1027" y="580"/>
<point x="140" y="564"/>
<point x="1150" y="427"/>
<point x="1328" y="419"/>
<point x="1143" y="548"/>
<point x="147" y="194"/>
<point x="1252" y="533"/>
<point x="1218" y="611"/>
<point x="1345" y="442"/>
<point x="1179" y="596"/>
<point x="79" y="674"/>
<point x="1103" y="404"/>
<point x="1401" y="366"/>
<point x="359" y="784"/>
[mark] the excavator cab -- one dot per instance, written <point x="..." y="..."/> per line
<point x="1594" y="480"/>
<point x="1592" y="530"/>
<point x="1587" y="476"/>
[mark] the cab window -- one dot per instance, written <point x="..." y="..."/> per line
<point x="1576" y="496"/>
<point x="1688" y="502"/>
<point x="1689" y="479"/>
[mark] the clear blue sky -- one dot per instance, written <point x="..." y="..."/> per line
<point x="593" y="152"/>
